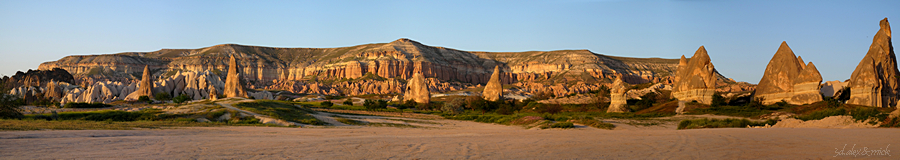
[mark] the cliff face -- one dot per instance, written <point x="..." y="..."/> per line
<point x="313" y="69"/>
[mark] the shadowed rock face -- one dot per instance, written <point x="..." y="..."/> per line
<point x="233" y="86"/>
<point x="695" y="79"/>
<point x="417" y="90"/>
<point x="787" y="79"/>
<point x="617" y="97"/>
<point x="493" y="90"/>
<point x="875" y="80"/>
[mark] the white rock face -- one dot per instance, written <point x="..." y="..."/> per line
<point x="196" y="85"/>
<point x="832" y="87"/>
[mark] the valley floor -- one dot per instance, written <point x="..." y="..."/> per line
<point x="449" y="139"/>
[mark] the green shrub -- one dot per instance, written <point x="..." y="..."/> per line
<point x="375" y="104"/>
<point x="326" y="104"/>
<point x="163" y="96"/>
<point x="348" y="102"/>
<point x="563" y="125"/>
<point x="349" y="121"/>
<point x="280" y="110"/>
<point x="9" y="106"/>
<point x="181" y="98"/>
<point x="863" y="114"/>
<point x="720" y="123"/>
<point x="739" y="111"/>
<point x="85" y="105"/>
<point x="817" y="115"/>
<point x="454" y="107"/>
<point x="144" y="99"/>
<point x="595" y="123"/>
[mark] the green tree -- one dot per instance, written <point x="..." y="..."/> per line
<point x="163" y="96"/>
<point x="144" y="99"/>
<point x="181" y="98"/>
<point x="375" y="104"/>
<point x="327" y="104"/>
<point x="9" y="106"/>
<point x="455" y="106"/>
<point x="348" y="102"/>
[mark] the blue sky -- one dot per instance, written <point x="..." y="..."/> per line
<point x="741" y="36"/>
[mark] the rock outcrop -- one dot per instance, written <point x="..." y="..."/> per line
<point x="494" y="89"/>
<point x="417" y="90"/>
<point x="695" y="80"/>
<point x="145" y="88"/>
<point x="213" y="93"/>
<point x="319" y="70"/>
<point x="787" y="79"/>
<point x="832" y="88"/>
<point x="233" y="87"/>
<point x="37" y="78"/>
<point x="875" y="80"/>
<point x="617" y="92"/>
<point x="53" y="91"/>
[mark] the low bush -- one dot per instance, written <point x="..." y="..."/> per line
<point x="326" y="104"/>
<point x="85" y="105"/>
<point x="563" y="125"/>
<point x="817" y="115"/>
<point x="163" y="96"/>
<point x="181" y="98"/>
<point x="349" y="121"/>
<point x="739" y="111"/>
<point x="280" y="110"/>
<point x="595" y="123"/>
<point x="720" y="123"/>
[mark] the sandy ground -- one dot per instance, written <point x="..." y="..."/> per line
<point x="449" y="140"/>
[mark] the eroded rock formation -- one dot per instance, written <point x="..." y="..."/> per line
<point x="313" y="69"/>
<point x="233" y="87"/>
<point x="145" y="88"/>
<point x="617" y="92"/>
<point x="494" y="89"/>
<point x="787" y="79"/>
<point x="695" y="80"/>
<point x="417" y="90"/>
<point x="875" y="80"/>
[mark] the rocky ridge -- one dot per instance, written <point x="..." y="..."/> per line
<point x="310" y="70"/>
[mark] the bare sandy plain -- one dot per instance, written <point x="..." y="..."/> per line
<point x="449" y="139"/>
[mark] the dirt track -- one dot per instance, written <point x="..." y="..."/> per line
<point x="455" y="140"/>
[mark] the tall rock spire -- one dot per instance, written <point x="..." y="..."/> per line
<point x="493" y="90"/>
<point x="695" y="80"/>
<point x="617" y="96"/>
<point x="233" y="86"/>
<point x="875" y="80"/>
<point x="417" y="90"/>
<point x="145" y="87"/>
<point x="787" y="79"/>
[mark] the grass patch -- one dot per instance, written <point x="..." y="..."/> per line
<point x="738" y="111"/>
<point x="414" y="121"/>
<point x="30" y="124"/>
<point x="596" y="123"/>
<point x="562" y="125"/>
<point x="350" y="121"/>
<point x="858" y="114"/>
<point x="720" y="123"/>
<point x="392" y="125"/>
<point x="281" y="111"/>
